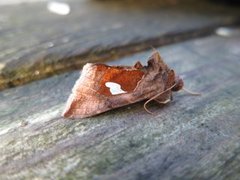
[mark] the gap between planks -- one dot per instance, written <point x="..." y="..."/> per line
<point x="39" y="71"/>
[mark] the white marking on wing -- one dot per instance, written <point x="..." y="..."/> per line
<point x="115" y="88"/>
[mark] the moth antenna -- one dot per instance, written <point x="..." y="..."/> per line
<point x="191" y="92"/>
<point x="154" y="97"/>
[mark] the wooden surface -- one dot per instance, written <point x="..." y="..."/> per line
<point x="35" y="43"/>
<point x="190" y="138"/>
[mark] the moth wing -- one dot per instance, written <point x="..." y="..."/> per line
<point x="84" y="106"/>
<point x="91" y="94"/>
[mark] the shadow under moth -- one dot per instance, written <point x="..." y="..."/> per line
<point x="101" y="87"/>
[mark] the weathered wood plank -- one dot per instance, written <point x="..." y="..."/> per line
<point x="190" y="138"/>
<point x="43" y="43"/>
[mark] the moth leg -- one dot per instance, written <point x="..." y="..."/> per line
<point x="163" y="102"/>
<point x="164" y="99"/>
<point x="158" y="97"/>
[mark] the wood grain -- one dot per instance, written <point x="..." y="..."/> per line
<point x="190" y="138"/>
<point x="36" y="43"/>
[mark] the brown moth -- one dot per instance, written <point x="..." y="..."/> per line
<point x="101" y="87"/>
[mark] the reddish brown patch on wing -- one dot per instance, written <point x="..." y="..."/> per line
<point x="126" y="77"/>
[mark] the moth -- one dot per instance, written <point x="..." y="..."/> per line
<point x="101" y="87"/>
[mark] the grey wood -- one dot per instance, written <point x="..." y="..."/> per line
<point x="35" y="43"/>
<point x="190" y="138"/>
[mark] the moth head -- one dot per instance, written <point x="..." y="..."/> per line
<point x="179" y="84"/>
